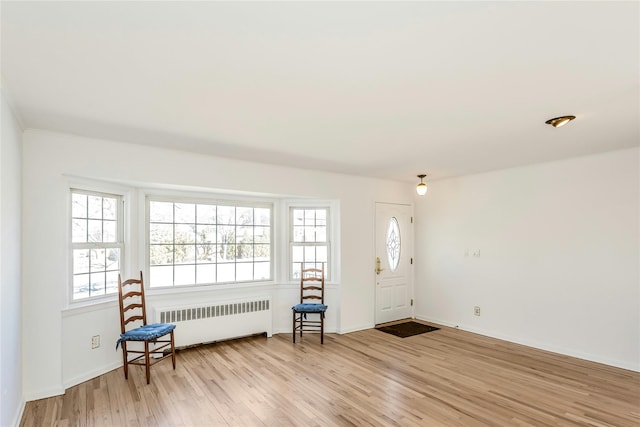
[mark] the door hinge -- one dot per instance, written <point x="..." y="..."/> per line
<point x="411" y="220"/>
<point x="411" y="260"/>
<point x="411" y="302"/>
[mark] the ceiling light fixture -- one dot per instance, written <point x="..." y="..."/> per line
<point x="556" y="122"/>
<point x="421" y="189"/>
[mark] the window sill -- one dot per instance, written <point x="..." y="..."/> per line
<point x="206" y="288"/>
<point x="82" y="307"/>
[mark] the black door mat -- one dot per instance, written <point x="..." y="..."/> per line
<point x="407" y="329"/>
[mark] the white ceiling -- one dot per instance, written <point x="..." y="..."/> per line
<point x="384" y="89"/>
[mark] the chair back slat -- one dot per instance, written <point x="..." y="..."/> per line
<point x="309" y="289"/>
<point x="131" y="290"/>
<point x="132" y="306"/>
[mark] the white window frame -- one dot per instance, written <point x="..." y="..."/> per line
<point x="120" y="242"/>
<point x="211" y="199"/>
<point x="331" y="228"/>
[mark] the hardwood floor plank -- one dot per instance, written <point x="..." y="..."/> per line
<point x="443" y="378"/>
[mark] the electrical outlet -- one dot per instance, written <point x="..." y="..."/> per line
<point x="95" y="341"/>
<point x="476" y="310"/>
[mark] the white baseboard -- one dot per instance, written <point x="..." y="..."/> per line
<point x="356" y="328"/>
<point x="18" y="416"/>
<point x="541" y="346"/>
<point x="92" y="374"/>
<point x="44" y="393"/>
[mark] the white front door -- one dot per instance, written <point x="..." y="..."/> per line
<point x="393" y="263"/>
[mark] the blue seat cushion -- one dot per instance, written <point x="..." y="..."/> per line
<point x="310" y="308"/>
<point x="146" y="332"/>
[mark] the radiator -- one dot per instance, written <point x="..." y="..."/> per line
<point x="204" y="323"/>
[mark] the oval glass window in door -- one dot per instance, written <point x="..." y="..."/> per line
<point x="393" y="244"/>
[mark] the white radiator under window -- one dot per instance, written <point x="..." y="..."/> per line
<point x="203" y="323"/>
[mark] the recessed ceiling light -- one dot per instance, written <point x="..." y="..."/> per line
<point x="560" y="121"/>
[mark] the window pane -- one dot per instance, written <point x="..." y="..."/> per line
<point x="206" y="253"/>
<point x="160" y="211"/>
<point x="226" y="273"/>
<point x="226" y="252"/>
<point x="226" y="234"/>
<point x="244" y="234"/>
<point x="78" y="205"/>
<point x="80" y="286"/>
<point x="261" y="271"/>
<point x="321" y="253"/>
<point x="109" y="231"/>
<point x="79" y="230"/>
<point x="310" y="234"/>
<point x="185" y="254"/>
<point x="97" y="261"/>
<point x="262" y="252"/>
<point x="226" y="215"/>
<point x="393" y="244"/>
<point x="206" y="234"/>
<point x="160" y="233"/>
<point x="309" y="254"/>
<point x="185" y="233"/>
<point x="244" y="271"/>
<point x="80" y="261"/>
<point x="262" y="216"/>
<point x="298" y="217"/>
<point x="295" y="271"/>
<point x="161" y="276"/>
<point x="113" y="259"/>
<point x="95" y="207"/>
<point x="160" y="254"/>
<point x="185" y="275"/>
<point x="321" y="217"/>
<point x="244" y="252"/>
<point x="244" y="215"/>
<point x="109" y="208"/>
<point x="298" y="234"/>
<point x="309" y="217"/>
<point x="321" y="234"/>
<point x="205" y="273"/>
<point x="206" y="214"/>
<point x="112" y="282"/>
<point x="185" y="213"/>
<point x="95" y="230"/>
<point x="97" y="286"/>
<point x="262" y="234"/>
<point x="297" y="254"/>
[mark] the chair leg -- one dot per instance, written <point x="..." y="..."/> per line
<point x="124" y="359"/>
<point x="173" y="352"/>
<point x="147" y="362"/>
<point x="293" y="331"/>
<point x="321" y="328"/>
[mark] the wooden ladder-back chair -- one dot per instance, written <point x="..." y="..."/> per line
<point x="311" y="302"/>
<point x="133" y="312"/>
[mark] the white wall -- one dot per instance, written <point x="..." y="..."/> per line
<point x="11" y="399"/>
<point x="558" y="265"/>
<point x="49" y="157"/>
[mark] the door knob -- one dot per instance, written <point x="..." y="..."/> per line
<point x="378" y="269"/>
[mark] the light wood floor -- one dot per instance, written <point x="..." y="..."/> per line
<point x="443" y="378"/>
